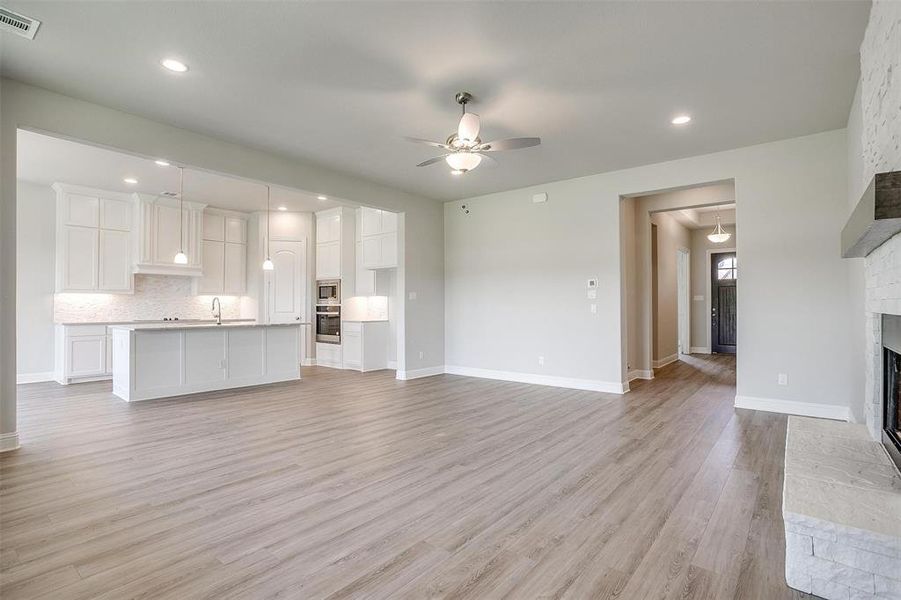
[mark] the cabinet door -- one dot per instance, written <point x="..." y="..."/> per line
<point x="328" y="260"/>
<point x="115" y="261"/>
<point x="235" y="269"/>
<point x="167" y="226"/>
<point x="389" y="250"/>
<point x="109" y="355"/>
<point x="213" y="279"/>
<point x="371" y="249"/>
<point x="352" y="342"/>
<point x="328" y="228"/>
<point x="81" y="210"/>
<point x="213" y="227"/>
<point x="86" y="356"/>
<point x="79" y="259"/>
<point x="372" y="221"/>
<point x="235" y="230"/>
<point x="365" y="277"/>
<point x="389" y="222"/>
<point x="115" y="214"/>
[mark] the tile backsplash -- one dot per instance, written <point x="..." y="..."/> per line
<point x="155" y="297"/>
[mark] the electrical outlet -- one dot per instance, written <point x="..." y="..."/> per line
<point x="594" y="308"/>
<point x="421" y="355"/>
<point x="540" y="361"/>
<point x="783" y="379"/>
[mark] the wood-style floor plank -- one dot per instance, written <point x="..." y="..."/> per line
<point x="349" y="485"/>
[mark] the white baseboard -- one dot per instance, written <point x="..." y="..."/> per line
<point x="34" y="377"/>
<point x="9" y="441"/>
<point x="308" y="362"/>
<point x="419" y="373"/>
<point x="699" y="350"/>
<point x="792" y="407"/>
<point x="593" y="385"/>
<point x="640" y="374"/>
<point x="392" y="364"/>
<point x="666" y="361"/>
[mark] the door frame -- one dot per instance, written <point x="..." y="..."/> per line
<point x="709" y="304"/>
<point x="683" y="301"/>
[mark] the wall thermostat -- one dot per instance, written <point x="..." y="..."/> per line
<point x="592" y="283"/>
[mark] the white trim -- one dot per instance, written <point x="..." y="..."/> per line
<point x="709" y="303"/>
<point x="699" y="350"/>
<point x="419" y="373"/>
<point x="666" y="361"/>
<point x="640" y="374"/>
<point x="793" y="407"/>
<point x="308" y="362"/>
<point x="34" y="377"/>
<point x="593" y="385"/>
<point x="9" y="441"/>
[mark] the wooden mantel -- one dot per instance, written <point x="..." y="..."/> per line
<point x="876" y="218"/>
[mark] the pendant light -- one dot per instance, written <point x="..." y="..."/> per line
<point x="180" y="257"/>
<point x="718" y="235"/>
<point x="267" y="264"/>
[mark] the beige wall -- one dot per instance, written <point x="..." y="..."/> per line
<point x="671" y="236"/>
<point x="700" y="276"/>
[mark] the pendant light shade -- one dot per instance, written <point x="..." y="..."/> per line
<point x="267" y="264"/>
<point x="180" y="257"/>
<point x="718" y="235"/>
<point x="463" y="161"/>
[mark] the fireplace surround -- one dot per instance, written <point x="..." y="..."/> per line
<point x="891" y="377"/>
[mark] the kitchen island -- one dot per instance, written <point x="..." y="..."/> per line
<point x="159" y="360"/>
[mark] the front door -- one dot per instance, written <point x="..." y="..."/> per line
<point x="724" y="275"/>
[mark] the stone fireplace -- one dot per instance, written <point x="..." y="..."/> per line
<point x="891" y="397"/>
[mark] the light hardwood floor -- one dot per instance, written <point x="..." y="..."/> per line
<point x="358" y="485"/>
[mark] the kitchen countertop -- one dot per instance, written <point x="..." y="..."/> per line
<point x="200" y="325"/>
<point x="365" y="320"/>
<point x="154" y="322"/>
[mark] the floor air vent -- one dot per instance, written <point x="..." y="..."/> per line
<point x="18" y="24"/>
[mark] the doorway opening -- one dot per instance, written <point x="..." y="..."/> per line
<point x="667" y="244"/>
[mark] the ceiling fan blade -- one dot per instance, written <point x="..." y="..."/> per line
<point x="469" y="126"/>
<point x="431" y="161"/>
<point x="509" y="144"/>
<point x="427" y="142"/>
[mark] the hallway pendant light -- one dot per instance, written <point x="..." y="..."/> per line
<point x="180" y="257"/>
<point x="718" y="235"/>
<point x="267" y="264"/>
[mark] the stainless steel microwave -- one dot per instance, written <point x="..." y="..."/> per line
<point x="329" y="291"/>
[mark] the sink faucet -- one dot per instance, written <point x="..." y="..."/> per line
<point x="217" y="313"/>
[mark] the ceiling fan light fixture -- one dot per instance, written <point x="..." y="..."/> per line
<point x="463" y="161"/>
<point x="457" y="172"/>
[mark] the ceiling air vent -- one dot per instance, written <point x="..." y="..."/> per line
<point x="18" y="24"/>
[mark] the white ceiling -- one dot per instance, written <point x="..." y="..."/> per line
<point x="705" y="216"/>
<point x="46" y="160"/>
<point x="340" y="83"/>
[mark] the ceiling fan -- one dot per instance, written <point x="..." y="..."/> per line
<point x="465" y="150"/>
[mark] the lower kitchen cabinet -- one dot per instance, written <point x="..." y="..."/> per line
<point x="82" y="353"/>
<point x="328" y="355"/>
<point x="365" y="345"/>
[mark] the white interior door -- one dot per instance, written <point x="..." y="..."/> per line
<point x="683" y="300"/>
<point x="285" y="284"/>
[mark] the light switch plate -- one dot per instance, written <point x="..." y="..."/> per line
<point x="539" y="198"/>
<point x="592" y="294"/>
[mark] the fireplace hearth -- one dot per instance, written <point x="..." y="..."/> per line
<point x="891" y="400"/>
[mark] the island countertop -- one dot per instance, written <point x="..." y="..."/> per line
<point x="170" y="325"/>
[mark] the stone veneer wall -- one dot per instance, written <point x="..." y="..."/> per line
<point x="880" y="99"/>
<point x="155" y="297"/>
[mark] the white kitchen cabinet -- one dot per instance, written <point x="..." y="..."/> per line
<point x="378" y="237"/>
<point x="82" y="353"/>
<point x="329" y="355"/>
<point x="162" y="230"/>
<point x="114" y="265"/>
<point x="328" y="226"/>
<point x="94" y="240"/>
<point x="365" y="345"/>
<point x="328" y="260"/>
<point x="77" y="259"/>
<point x="224" y="254"/>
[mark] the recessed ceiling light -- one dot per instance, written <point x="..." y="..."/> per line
<point x="174" y="65"/>
<point x="321" y="197"/>
<point x="283" y="208"/>
<point x="681" y="120"/>
<point x="130" y="180"/>
<point x="162" y="163"/>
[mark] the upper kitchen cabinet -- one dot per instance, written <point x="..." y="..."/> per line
<point x="378" y="238"/>
<point x="335" y="247"/>
<point x="163" y="229"/>
<point x="224" y="251"/>
<point x="94" y="240"/>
